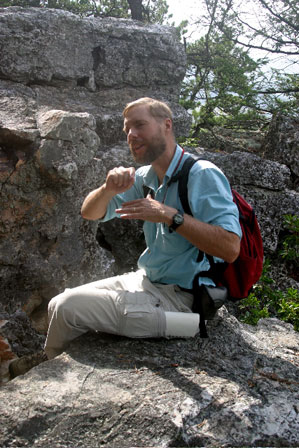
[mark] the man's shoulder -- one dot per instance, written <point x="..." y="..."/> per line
<point x="200" y="164"/>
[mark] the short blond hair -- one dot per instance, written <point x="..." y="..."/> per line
<point x="157" y="109"/>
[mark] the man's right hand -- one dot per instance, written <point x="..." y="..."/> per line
<point x="120" y="179"/>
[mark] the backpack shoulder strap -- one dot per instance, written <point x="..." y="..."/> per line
<point x="182" y="178"/>
<point x="215" y="269"/>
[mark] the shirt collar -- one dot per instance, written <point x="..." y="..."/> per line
<point x="151" y="179"/>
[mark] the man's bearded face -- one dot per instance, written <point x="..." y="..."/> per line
<point x="149" y="150"/>
<point x="145" y="135"/>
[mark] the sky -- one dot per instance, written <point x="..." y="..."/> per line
<point x="184" y="10"/>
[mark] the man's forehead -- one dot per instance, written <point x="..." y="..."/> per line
<point x="137" y="113"/>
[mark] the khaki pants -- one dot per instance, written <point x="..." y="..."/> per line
<point x="128" y="305"/>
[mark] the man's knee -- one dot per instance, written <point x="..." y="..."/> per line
<point x="62" y="304"/>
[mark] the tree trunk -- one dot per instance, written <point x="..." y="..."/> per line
<point x="136" y="9"/>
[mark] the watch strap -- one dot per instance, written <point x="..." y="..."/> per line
<point x="177" y="220"/>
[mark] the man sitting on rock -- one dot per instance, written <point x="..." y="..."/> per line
<point x="145" y="303"/>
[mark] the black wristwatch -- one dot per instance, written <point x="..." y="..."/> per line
<point x="177" y="220"/>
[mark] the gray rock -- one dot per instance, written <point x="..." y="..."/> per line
<point x="88" y="57"/>
<point x="282" y="142"/>
<point x="17" y="328"/>
<point x="237" y="388"/>
<point x="45" y="193"/>
<point x="245" y="169"/>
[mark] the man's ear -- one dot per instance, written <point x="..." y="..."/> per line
<point x="168" y="124"/>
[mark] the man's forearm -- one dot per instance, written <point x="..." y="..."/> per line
<point x="95" y="204"/>
<point x="211" y="239"/>
<point x="118" y="180"/>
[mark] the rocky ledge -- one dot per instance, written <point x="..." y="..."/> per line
<point x="238" y="388"/>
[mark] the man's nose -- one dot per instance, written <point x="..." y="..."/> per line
<point x="132" y="134"/>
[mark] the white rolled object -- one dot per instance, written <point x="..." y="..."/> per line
<point x="184" y="325"/>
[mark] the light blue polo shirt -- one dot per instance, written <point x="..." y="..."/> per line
<point x="169" y="257"/>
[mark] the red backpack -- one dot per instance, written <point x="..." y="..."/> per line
<point x="240" y="276"/>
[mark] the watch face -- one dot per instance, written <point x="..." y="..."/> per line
<point x="178" y="219"/>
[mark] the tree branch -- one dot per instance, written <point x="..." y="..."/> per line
<point x="279" y="17"/>
<point x="259" y="47"/>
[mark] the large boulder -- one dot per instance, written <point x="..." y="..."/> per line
<point x="95" y="53"/>
<point x="86" y="65"/>
<point x="45" y="244"/>
<point x="61" y="98"/>
<point x="238" y="388"/>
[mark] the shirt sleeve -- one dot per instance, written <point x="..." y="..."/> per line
<point x="210" y="197"/>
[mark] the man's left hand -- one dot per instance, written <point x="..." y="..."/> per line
<point x="147" y="209"/>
